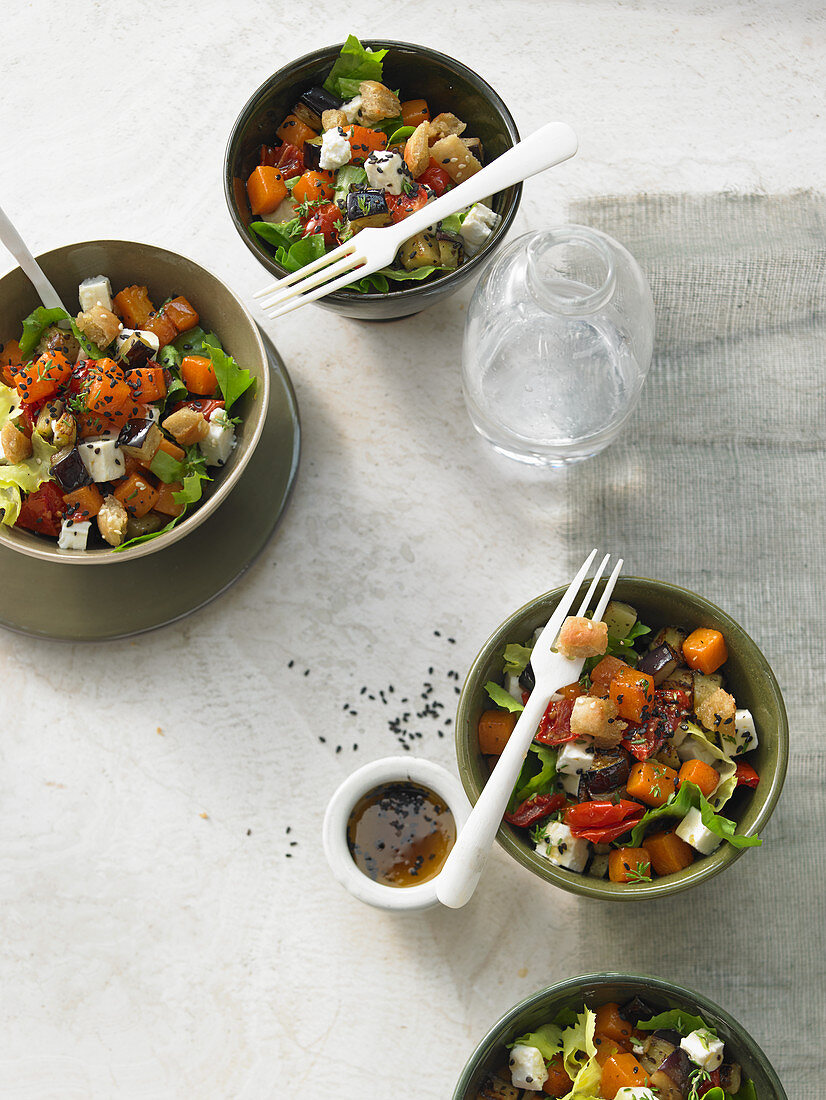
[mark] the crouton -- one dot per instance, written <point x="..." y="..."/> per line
<point x="417" y="150"/>
<point x="445" y="124"/>
<point x="377" y="102"/>
<point x="597" y="718"/>
<point x="453" y="156"/>
<point x="187" y="426"/>
<point x="333" y="118"/>
<point x="100" y="325"/>
<point x="580" y="637"/>
<point x="716" y="712"/>
<point x="112" y="519"/>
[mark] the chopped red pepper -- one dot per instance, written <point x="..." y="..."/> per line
<point x="326" y="220"/>
<point x="746" y="776"/>
<point x="712" y="1082"/>
<point x="602" y="822"/>
<point x="555" y="725"/>
<point x="289" y="160"/>
<point x="43" y="510"/>
<point x="535" y="809"/>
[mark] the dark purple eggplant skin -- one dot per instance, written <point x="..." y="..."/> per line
<point x="318" y="100"/>
<point x="312" y="155"/>
<point x="669" y="1035"/>
<point x="68" y="470"/>
<point x="137" y="354"/>
<point x="635" y="1010"/>
<point x="527" y="681"/>
<point x="659" y="663"/>
<point x="678" y="1067"/>
<point x="614" y="774"/>
<point x="731" y="1076"/>
<point x="134" y="432"/>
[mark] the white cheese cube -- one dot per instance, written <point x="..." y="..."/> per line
<point x="352" y="109"/>
<point x="694" y="749"/>
<point x="335" y="150"/>
<point x="629" y="1092"/>
<point x="477" y="227"/>
<point x="692" y="830"/>
<point x="560" y="847"/>
<point x="220" y="439"/>
<point x="103" y="459"/>
<point x="569" y="784"/>
<point x="73" y="535"/>
<point x="512" y="686"/>
<point x="527" y="1068"/>
<point x="574" y="758"/>
<point x="744" y="738"/>
<point x="96" y="291"/>
<point x="704" y="1049"/>
<point x="599" y="866"/>
<point x="386" y="171"/>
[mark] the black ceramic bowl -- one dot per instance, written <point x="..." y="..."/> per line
<point x="598" y="989"/>
<point x="419" y="73"/>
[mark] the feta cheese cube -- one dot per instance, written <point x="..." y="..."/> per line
<point x="692" y="830"/>
<point x="387" y="171"/>
<point x="695" y="749"/>
<point x="704" y="1049"/>
<point x="220" y="439"/>
<point x="103" y="459"/>
<point x="96" y="291"/>
<point x="73" y="535"/>
<point x="633" y="1092"/>
<point x="335" y="150"/>
<point x="560" y="847"/>
<point x="744" y="738"/>
<point x="527" y="1068"/>
<point x="512" y="686"/>
<point x="352" y="109"/>
<point x="569" y="784"/>
<point x="574" y="758"/>
<point x="477" y="227"/>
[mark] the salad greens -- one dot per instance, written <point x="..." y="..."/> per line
<point x="26" y="476"/>
<point x="517" y="658"/>
<point x="675" y="1019"/>
<point x="39" y="320"/>
<point x="232" y="380"/>
<point x="354" y="64"/>
<point x="688" y="797"/>
<point x="502" y="698"/>
<point x="531" y="783"/>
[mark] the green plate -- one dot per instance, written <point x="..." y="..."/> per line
<point x="48" y="600"/>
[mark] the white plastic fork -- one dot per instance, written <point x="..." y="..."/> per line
<point x="463" y="868"/>
<point x="37" y="276"/>
<point x="372" y="249"/>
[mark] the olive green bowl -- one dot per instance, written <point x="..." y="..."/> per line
<point x="748" y="676"/>
<point x="419" y="73"/>
<point x="166" y="274"/>
<point x="598" y="989"/>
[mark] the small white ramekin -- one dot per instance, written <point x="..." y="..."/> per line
<point x="391" y="769"/>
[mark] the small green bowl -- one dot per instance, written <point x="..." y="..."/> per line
<point x="597" y="989"/>
<point x="748" y="676"/>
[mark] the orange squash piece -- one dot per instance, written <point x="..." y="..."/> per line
<point x="10" y="361"/>
<point x="415" y="112"/>
<point x="293" y="131"/>
<point x="705" y="650"/>
<point x="621" y="1071"/>
<point x="632" y="692"/>
<point x="163" y="328"/>
<point x="314" y="186"/>
<point x="668" y="852"/>
<point x="605" y="671"/>
<point x="166" y="502"/>
<point x="266" y="189"/>
<point x="137" y="494"/>
<point x="84" y="503"/>
<point x="628" y="864"/>
<point x="701" y="775"/>
<point x="571" y="691"/>
<point x="363" y="142"/>
<point x="107" y="391"/>
<point x="557" y="1083"/>
<point x="147" y="383"/>
<point x="182" y="314"/>
<point x="651" y="783"/>
<point x="42" y="379"/>
<point x="606" y="1048"/>
<point x="610" y="1024"/>
<point x="134" y="306"/>
<point x="495" y="728"/>
<point x="198" y="375"/>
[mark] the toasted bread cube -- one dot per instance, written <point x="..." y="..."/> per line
<point x="417" y="149"/>
<point x="187" y="426"/>
<point x="99" y="324"/>
<point x="445" y="124"/>
<point x="597" y="718"/>
<point x="377" y="102"/>
<point x="453" y="156"/>
<point x="717" y="711"/>
<point x="581" y="637"/>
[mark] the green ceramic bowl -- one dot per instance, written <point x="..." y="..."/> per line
<point x="597" y="989"/>
<point x="166" y="274"/>
<point x="419" y="73"/>
<point x="748" y="676"/>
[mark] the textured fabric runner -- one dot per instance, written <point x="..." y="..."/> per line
<point x="719" y="485"/>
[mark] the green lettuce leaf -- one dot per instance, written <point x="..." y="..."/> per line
<point x="579" y="1055"/>
<point x="516" y="658"/>
<point x="349" y="178"/>
<point x="381" y="279"/>
<point x="530" y="782"/>
<point x="192" y="473"/>
<point x="401" y="134"/>
<point x="10" y="504"/>
<point x="547" y="1040"/>
<point x="675" y="1019"/>
<point x="353" y="64"/>
<point x="453" y="222"/>
<point x="26" y="476"/>
<point x="302" y="252"/>
<point x="151" y="534"/>
<point x="166" y="468"/>
<point x="232" y="379"/>
<point x="687" y="797"/>
<point x="35" y="325"/>
<point x="502" y="698"/>
<point x="279" y="234"/>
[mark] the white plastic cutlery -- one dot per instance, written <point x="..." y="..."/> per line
<point x="463" y="868"/>
<point x="372" y="249"/>
<point x="17" y="246"/>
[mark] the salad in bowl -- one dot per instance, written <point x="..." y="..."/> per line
<point x="112" y="421"/>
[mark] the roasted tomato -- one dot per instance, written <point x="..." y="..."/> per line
<point x="555" y="725"/>
<point x="43" y="510"/>
<point x="325" y="220"/>
<point x="435" y="178"/>
<point x="289" y="160"/>
<point x="400" y="206"/>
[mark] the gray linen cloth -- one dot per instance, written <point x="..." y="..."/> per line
<point x="719" y="483"/>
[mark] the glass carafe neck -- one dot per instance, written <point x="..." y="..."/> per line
<point x="570" y="270"/>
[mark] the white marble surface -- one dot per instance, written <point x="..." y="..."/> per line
<point x="155" y="940"/>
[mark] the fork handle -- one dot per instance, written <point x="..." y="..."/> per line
<point x="463" y="868"/>
<point x="549" y="145"/>
<point x="17" y="246"/>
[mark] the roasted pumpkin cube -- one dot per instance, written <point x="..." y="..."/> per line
<point x="162" y="327"/>
<point x="420" y="251"/>
<point x="166" y="502"/>
<point x="181" y="313"/>
<point x="137" y="494"/>
<point x="134" y="306"/>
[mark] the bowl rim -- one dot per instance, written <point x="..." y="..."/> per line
<point x="388" y="769"/>
<point x="585" y="885"/>
<point x="603" y="978"/>
<point x="401" y="293"/>
<point x="54" y="556"/>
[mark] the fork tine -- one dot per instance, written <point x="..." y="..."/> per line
<point x="606" y="595"/>
<point x="316" y="265"/>
<point x="323" y="276"/>
<point x="584" y="605"/>
<point x="319" y="292"/>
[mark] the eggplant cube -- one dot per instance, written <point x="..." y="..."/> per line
<point x="450" y="254"/>
<point x="136" y="348"/>
<point x="312" y="154"/>
<point x="140" y="439"/>
<point x="367" y="209"/>
<point x="421" y="251"/>
<point x="69" y="470"/>
<point x="313" y="103"/>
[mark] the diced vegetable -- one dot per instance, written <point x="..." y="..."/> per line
<point x="495" y="727"/>
<point x="266" y="189"/>
<point x="702" y="775"/>
<point x="134" y="306"/>
<point x="705" y="650"/>
<point x="420" y="251"/>
<point x="140" y="439"/>
<point x="42" y="511"/>
<point x="294" y="132"/>
<point x="83" y="503"/>
<point x="146" y="383"/>
<point x="667" y="852"/>
<point x="619" y="618"/>
<point x="68" y="469"/>
<point x="43" y="378"/>
<point x="633" y="693"/>
<point x="314" y="186"/>
<point x="622" y="1071"/>
<point x="166" y="502"/>
<point x="315" y="101"/>
<point x="162" y="327"/>
<point x="137" y="494"/>
<point x="108" y="391"/>
<point x="557" y="1083"/>
<point x="363" y="142"/>
<point x="182" y="314"/>
<point x="604" y="672"/>
<point x="652" y="783"/>
<point x="10" y="360"/>
<point x="367" y="208"/>
<point x="659" y="663"/>
<point x="414" y="112"/>
<point x="610" y="1023"/>
<point x="629" y="865"/>
<point x="198" y="375"/>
